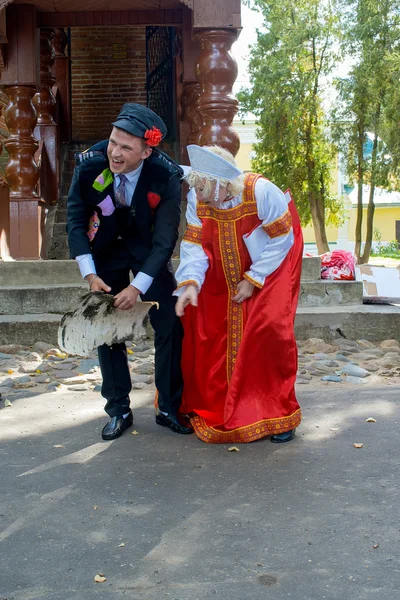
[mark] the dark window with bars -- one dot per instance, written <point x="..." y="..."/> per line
<point x="160" y="75"/>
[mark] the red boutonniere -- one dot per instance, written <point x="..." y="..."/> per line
<point x="153" y="199"/>
<point x="153" y="136"/>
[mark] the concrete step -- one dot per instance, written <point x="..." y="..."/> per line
<point x="39" y="272"/>
<point x="370" y="322"/>
<point x="61" y="215"/>
<point x="57" y="298"/>
<point x="376" y="323"/>
<point x="311" y="268"/>
<point x="59" y="229"/>
<point x="330" y="293"/>
<point x="59" y="249"/>
<point x="28" y="329"/>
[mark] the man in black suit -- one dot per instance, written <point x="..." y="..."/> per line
<point x="123" y="216"/>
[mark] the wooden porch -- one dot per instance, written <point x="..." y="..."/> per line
<point x="39" y="121"/>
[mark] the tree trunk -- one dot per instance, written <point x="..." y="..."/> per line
<point x="360" y="177"/>
<point x="371" y="206"/>
<point x="318" y="219"/>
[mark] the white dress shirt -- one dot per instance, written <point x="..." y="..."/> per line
<point x="267" y="253"/>
<point x="142" y="282"/>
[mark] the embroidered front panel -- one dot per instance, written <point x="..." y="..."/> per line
<point x="233" y="272"/>
<point x="250" y="433"/>
<point x="206" y="211"/>
<point x="280" y="226"/>
<point x="193" y="234"/>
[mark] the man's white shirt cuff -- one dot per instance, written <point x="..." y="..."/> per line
<point x="142" y="282"/>
<point x="85" y="264"/>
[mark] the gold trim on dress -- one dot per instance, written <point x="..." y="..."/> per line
<point x="232" y="269"/>
<point x="256" y="283"/>
<point x="280" y="226"/>
<point x="193" y="234"/>
<point x="187" y="282"/>
<point x="249" y="433"/>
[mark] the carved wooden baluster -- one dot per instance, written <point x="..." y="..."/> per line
<point x="47" y="132"/>
<point x="61" y="72"/>
<point x="44" y="100"/>
<point x="21" y="171"/>
<point x="192" y="120"/>
<point x="190" y="101"/>
<point x="216" y="74"/>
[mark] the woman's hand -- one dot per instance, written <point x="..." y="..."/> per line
<point x="188" y="296"/>
<point x="244" y="290"/>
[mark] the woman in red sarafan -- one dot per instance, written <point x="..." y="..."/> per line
<point x="238" y="286"/>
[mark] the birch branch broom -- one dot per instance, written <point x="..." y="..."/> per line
<point x="97" y="321"/>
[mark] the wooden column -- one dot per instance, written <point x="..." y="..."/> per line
<point x="4" y="217"/>
<point x="189" y="118"/>
<point x="216" y="73"/>
<point x="62" y="86"/>
<point x="20" y="80"/>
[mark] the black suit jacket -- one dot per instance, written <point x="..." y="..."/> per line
<point x="150" y="232"/>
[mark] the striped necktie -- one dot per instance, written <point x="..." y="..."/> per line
<point x="120" y="192"/>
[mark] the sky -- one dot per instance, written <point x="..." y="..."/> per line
<point x="240" y="49"/>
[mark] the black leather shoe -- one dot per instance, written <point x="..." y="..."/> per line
<point x="172" y="422"/>
<point x="116" y="427"/>
<point x="281" y="438"/>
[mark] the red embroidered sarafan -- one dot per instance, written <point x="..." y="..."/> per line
<point x="153" y="136"/>
<point x="239" y="360"/>
<point x="153" y="199"/>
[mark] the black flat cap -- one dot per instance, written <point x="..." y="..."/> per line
<point x="139" y="120"/>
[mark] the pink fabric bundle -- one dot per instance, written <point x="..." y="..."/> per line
<point x="338" y="264"/>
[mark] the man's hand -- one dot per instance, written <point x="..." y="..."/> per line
<point x="97" y="284"/>
<point x="189" y="296"/>
<point x="244" y="290"/>
<point x="127" y="298"/>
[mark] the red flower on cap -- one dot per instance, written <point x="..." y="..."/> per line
<point x="153" y="136"/>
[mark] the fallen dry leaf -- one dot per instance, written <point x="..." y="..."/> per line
<point x="129" y="351"/>
<point x="358" y="445"/>
<point x="370" y="420"/>
<point x="58" y="446"/>
<point x="134" y="432"/>
<point x="95" y="507"/>
<point x="121" y="545"/>
<point x="99" y="578"/>
<point x="7" y="402"/>
<point x="233" y="449"/>
<point x="10" y="371"/>
<point x="375" y="546"/>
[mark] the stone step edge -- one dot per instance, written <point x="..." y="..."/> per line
<point x="44" y="286"/>
<point x="303" y="310"/>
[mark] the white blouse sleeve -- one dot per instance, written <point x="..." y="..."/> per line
<point x="193" y="260"/>
<point x="270" y="242"/>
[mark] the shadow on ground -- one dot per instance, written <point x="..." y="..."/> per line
<point x="166" y="516"/>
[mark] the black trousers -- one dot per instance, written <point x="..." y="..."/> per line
<point x="168" y="334"/>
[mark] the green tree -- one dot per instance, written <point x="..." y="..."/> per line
<point x="289" y="66"/>
<point x="367" y="117"/>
